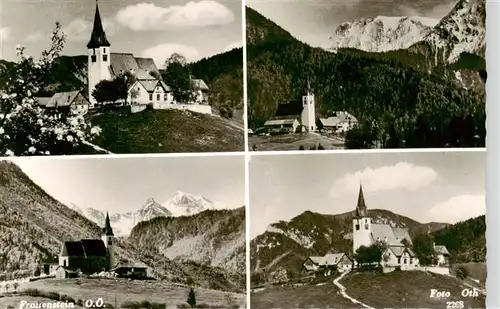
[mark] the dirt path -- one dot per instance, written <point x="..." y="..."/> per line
<point x="343" y="291"/>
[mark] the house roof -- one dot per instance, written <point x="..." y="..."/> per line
<point x="277" y="122"/>
<point x="126" y="62"/>
<point x="332" y="258"/>
<point x="292" y="108"/>
<point x="399" y="250"/>
<point x="199" y="84"/>
<point x="150" y="85"/>
<point x="98" y="36"/>
<point x="330" y="121"/>
<point x="316" y="259"/>
<point x="344" y="116"/>
<point x="62" y="99"/>
<point x="43" y="101"/>
<point x="440" y="249"/>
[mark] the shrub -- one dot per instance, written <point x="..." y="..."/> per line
<point x="462" y="272"/>
<point x="191" y="299"/>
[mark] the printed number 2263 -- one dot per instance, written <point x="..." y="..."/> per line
<point x="454" y="304"/>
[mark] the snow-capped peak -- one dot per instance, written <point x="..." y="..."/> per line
<point x="151" y="209"/>
<point x="185" y="204"/>
<point x="382" y="33"/>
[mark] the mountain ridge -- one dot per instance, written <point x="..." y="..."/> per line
<point x="280" y="251"/>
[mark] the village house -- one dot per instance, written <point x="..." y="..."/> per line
<point x="442" y="254"/>
<point x="338" y="262"/>
<point x="339" y="122"/>
<point x="73" y="102"/>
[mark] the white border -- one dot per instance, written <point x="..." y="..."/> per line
<point x="493" y="154"/>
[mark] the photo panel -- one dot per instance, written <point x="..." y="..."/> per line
<point x="150" y="232"/>
<point x="368" y="230"/>
<point x="121" y="77"/>
<point x="368" y="74"/>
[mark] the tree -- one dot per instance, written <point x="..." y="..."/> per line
<point x="111" y="91"/>
<point x="37" y="272"/>
<point x="28" y="129"/>
<point x="368" y="255"/>
<point x="16" y="285"/>
<point x="320" y="147"/>
<point x="178" y="77"/>
<point x="424" y="249"/>
<point x="191" y="299"/>
<point x="301" y="147"/>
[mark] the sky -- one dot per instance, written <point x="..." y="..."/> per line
<point x="314" y="21"/>
<point x="427" y="187"/>
<point x="149" y="28"/>
<point x="120" y="185"/>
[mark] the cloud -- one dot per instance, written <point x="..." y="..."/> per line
<point x="5" y="34"/>
<point x="459" y="208"/>
<point x="233" y="45"/>
<point x="80" y="29"/>
<point x="161" y="52"/>
<point x="402" y="175"/>
<point x="37" y="37"/>
<point x="148" y="16"/>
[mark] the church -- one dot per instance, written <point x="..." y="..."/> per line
<point x="149" y="88"/>
<point x="294" y="116"/>
<point x="366" y="233"/>
<point x="88" y="255"/>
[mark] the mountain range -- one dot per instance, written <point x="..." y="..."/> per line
<point x="415" y="85"/>
<point x="33" y="226"/>
<point x="181" y="204"/>
<point x="382" y="33"/>
<point x="285" y="245"/>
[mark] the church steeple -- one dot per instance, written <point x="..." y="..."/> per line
<point x="108" y="231"/>
<point x="361" y="210"/>
<point x="98" y="36"/>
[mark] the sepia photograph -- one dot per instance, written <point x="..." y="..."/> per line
<point x="151" y="232"/>
<point x="120" y="77"/>
<point x="367" y="74"/>
<point x="368" y="230"/>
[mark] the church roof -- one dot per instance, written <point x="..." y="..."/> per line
<point x="277" y="122"/>
<point x="107" y="230"/>
<point x="142" y="68"/>
<point x="401" y="233"/>
<point x="98" y="36"/>
<point x="93" y="247"/>
<point x="292" y="108"/>
<point x="361" y="210"/>
<point x="84" y="248"/>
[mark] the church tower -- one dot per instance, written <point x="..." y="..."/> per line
<point x="361" y="224"/>
<point x="308" y="116"/>
<point x="109" y="242"/>
<point x="99" y="54"/>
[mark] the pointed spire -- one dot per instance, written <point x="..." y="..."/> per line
<point x="361" y="210"/>
<point x="98" y="36"/>
<point x="108" y="231"/>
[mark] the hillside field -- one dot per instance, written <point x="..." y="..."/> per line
<point x="166" y="131"/>
<point x="400" y="289"/>
<point x="407" y="289"/>
<point x="293" y="142"/>
<point x="132" y="291"/>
